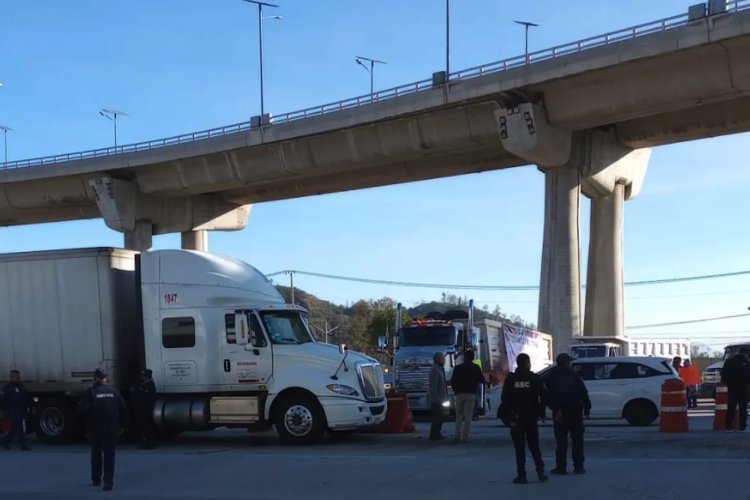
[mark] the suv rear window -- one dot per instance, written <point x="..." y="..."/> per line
<point x="614" y="371"/>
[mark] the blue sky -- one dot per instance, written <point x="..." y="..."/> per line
<point x="183" y="65"/>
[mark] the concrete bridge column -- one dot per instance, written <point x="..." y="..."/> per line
<point x="124" y="208"/>
<point x="195" y="240"/>
<point x="525" y="132"/>
<point x="612" y="173"/>
<point x="560" y="280"/>
<point x="140" y="238"/>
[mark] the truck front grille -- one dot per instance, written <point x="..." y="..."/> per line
<point x="371" y="380"/>
<point x="413" y="378"/>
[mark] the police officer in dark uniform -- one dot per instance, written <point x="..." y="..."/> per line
<point x="523" y="402"/>
<point x="16" y="402"/>
<point x="144" y="399"/>
<point x="569" y="401"/>
<point x="106" y="413"/>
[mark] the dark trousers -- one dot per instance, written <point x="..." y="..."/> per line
<point x="524" y="432"/>
<point x="571" y="424"/>
<point x="146" y="428"/>
<point x="737" y="398"/>
<point x="16" y="429"/>
<point x="102" y="456"/>
<point x="436" y="420"/>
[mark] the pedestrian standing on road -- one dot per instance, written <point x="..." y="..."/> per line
<point x="677" y="363"/>
<point x="735" y="374"/>
<point x="438" y="394"/>
<point x="106" y="414"/>
<point x="16" y="403"/>
<point x="691" y="375"/>
<point x="524" y="400"/>
<point x="569" y="401"/>
<point x="466" y="380"/>
<point x="144" y="399"/>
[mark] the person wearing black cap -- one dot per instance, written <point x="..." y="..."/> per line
<point x="144" y="399"/>
<point x="735" y="374"/>
<point x="16" y="401"/>
<point x="569" y="401"/>
<point x="106" y="413"/>
<point x="523" y="401"/>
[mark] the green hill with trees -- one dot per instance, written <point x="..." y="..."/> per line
<point x="359" y="325"/>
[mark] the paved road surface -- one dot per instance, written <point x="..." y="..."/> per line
<point x="623" y="463"/>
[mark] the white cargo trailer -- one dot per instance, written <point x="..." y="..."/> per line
<point x="224" y="347"/>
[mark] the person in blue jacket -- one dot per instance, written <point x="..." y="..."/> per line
<point x="106" y="413"/>
<point x="569" y="401"/>
<point x="16" y="403"/>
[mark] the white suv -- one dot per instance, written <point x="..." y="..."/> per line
<point x="626" y="387"/>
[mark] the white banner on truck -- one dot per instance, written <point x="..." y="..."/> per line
<point x="518" y="340"/>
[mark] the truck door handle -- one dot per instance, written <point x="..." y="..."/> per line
<point x="227" y="366"/>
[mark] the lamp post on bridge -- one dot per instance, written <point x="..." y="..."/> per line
<point x="111" y="115"/>
<point x="260" y="46"/>
<point x="526" y="25"/>
<point x="447" y="40"/>
<point x="5" y="139"/>
<point x="371" y="70"/>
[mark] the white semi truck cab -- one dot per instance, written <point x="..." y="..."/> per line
<point x="224" y="347"/>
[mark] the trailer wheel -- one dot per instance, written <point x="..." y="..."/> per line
<point x="300" y="419"/>
<point x="56" y="421"/>
<point x="640" y="412"/>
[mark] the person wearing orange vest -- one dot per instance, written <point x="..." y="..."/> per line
<point x="691" y="375"/>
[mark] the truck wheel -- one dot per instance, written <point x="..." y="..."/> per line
<point x="640" y="412"/>
<point x="56" y="421"/>
<point x="300" y="420"/>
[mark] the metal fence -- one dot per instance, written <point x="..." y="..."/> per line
<point x="382" y="95"/>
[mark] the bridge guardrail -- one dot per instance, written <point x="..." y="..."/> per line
<point x="383" y="95"/>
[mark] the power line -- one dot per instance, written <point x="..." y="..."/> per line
<point x="496" y="287"/>
<point x="688" y="322"/>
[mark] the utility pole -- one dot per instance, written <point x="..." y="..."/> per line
<point x="291" y="284"/>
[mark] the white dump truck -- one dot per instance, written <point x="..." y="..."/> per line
<point x="497" y="343"/>
<point x="596" y="347"/>
<point x="224" y="347"/>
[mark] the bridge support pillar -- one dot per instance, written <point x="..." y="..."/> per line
<point x="560" y="279"/>
<point x="525" y="132"/>
<point x="609" y="173"/>
<point x="140" y="238"/>
<point x="612" y="174"/>
<point x="124" y="208"/>
<point x="195" y="240"/>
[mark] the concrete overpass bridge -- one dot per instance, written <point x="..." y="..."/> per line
<point x="584" y="113"/>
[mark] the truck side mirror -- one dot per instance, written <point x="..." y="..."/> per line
<point x="241" y="329"/>
<point x="342" y="349"/>
<point x="382" y="344"/>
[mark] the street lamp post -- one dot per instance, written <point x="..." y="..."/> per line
<point x="526" y="25"/>
<point x="371" y="70"/>
<point x="111" y="115"/>
<point x="447" y="39"/>
<point x="260" y="45"/>
<point x="5" y="141"/>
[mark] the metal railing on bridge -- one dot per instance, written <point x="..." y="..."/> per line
<point x="382" y="95"/>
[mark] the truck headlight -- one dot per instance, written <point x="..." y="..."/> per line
<point x="446" y="404"/>
<point x="343" y="389"/>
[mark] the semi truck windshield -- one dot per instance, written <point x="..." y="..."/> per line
<point x="427" y="335"/>
<point x="285" y="327"/>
